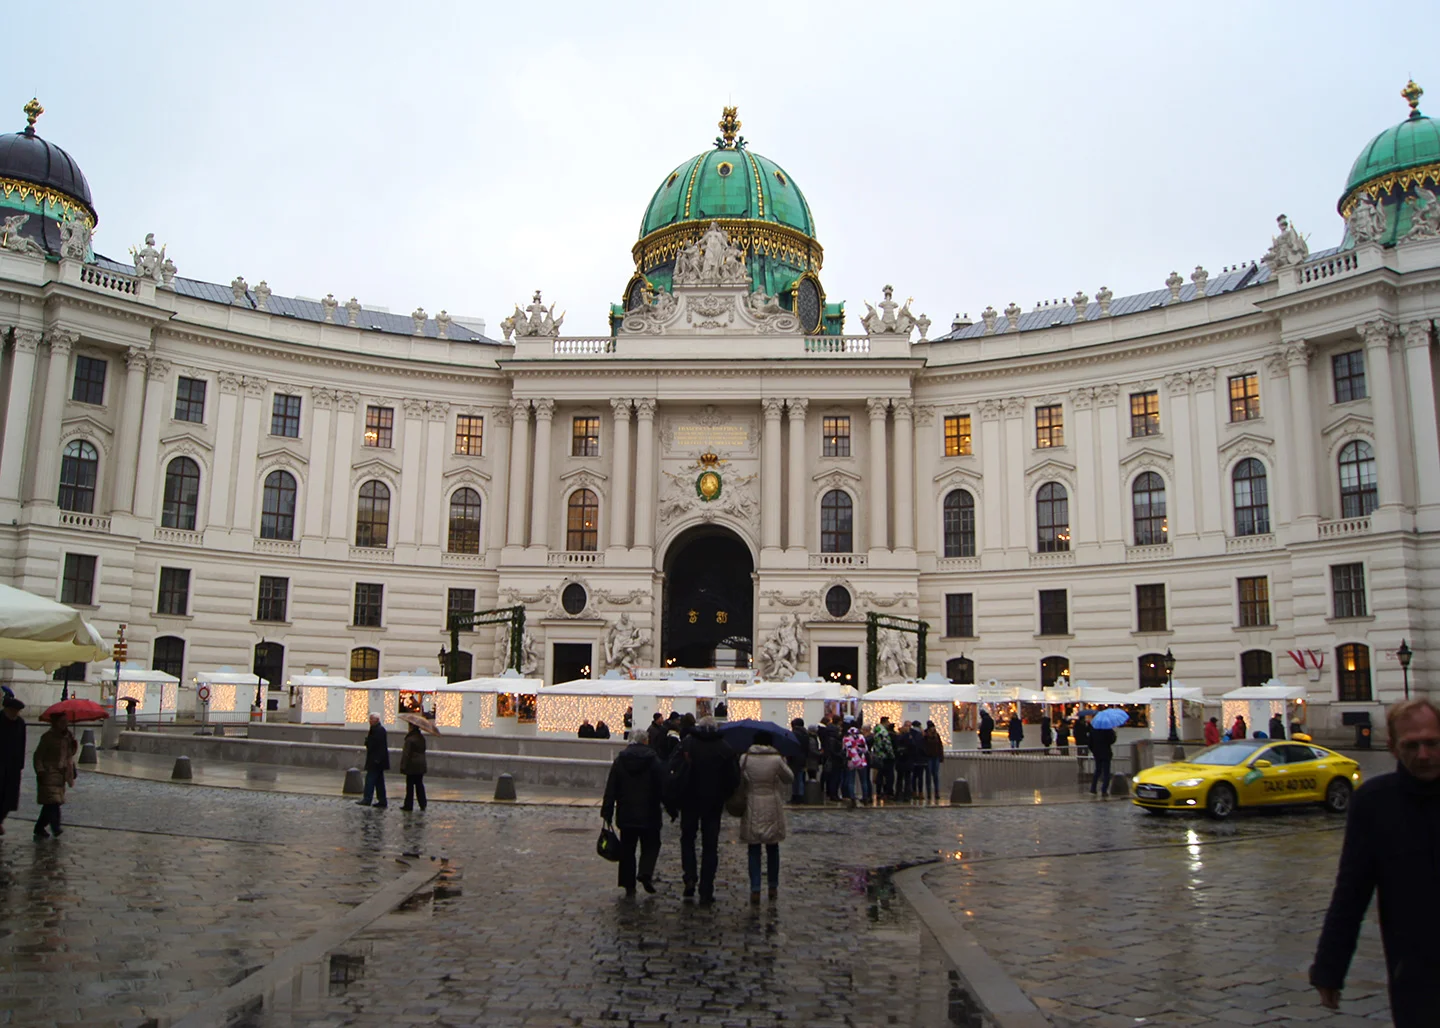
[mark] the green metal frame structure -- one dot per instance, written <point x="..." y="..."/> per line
<point x="873" y="623"/>
<point x="512" y="616"/>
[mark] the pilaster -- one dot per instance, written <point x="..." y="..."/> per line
<point x="157" y="396"/>
<point x="990" y="442"/>
<point x="127" y="432"/>
<point x="645" y="472"/>
<point x="1181" y="513"/>
<point x="773" y="408"/>
<point x="346" y="404"/>
<point x="317" y="501"/>
<point x="621" y="502"/>
<point x="904" y="474"/>
<point x="1420" y="382"/>
<point x="878" y="485"/>
<point x="518" y="472"/>
<point x="226" y="427"/>
<point x="498" y="427"/>
<point x="799" y="495"/>
<point x="1114" y="505"/>
<point x="412" y="445"/>
<point x="540" y="513"/>
<point x="251" y="428"/>
<point x="435" y="511"/>
<point x="45" y="479"/>
<point x="1377" y="336"/>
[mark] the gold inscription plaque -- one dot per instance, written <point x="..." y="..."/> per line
<point x="729" y="436"/>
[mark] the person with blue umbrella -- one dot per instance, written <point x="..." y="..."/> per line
<point x="1102" y="745"/>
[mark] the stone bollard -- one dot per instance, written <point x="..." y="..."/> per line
<point x="354" y="782"/>
<point x="219" y="731"/>
<point x="1119" y="785"/>
<point x="87" y="748"/>
<point x="182" y="772"/>
<point x="814" y="793"/>
<point x="959" y="791"/>
<point x="505" y="787"/>
<point x="110" y="734"/>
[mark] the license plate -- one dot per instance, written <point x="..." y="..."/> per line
<point x="1149" y="791"/>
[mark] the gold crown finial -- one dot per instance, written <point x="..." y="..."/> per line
<point x="709" y="459"/>
<point x="1412" y="94"/>
<point x="33" y="110"/>
<point x="729" y="126"/>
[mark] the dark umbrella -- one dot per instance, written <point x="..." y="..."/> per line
<point x="76" y="710"/>
<point x="739" y="735"/>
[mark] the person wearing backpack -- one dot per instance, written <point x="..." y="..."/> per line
<point x="882" y="757"/>
<point x="797" y="762"/>
<point x="904" y="762"/>
<point x="702" y="774"/>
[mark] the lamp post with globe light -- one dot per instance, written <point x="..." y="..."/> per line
<point x="1169" y="661"/>
<point x="1403" y="655"/>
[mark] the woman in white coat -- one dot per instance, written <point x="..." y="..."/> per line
<point x="767" y="779"/>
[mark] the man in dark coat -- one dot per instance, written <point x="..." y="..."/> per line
<point x="12" y="756"/>
<point x="632" y="801"/>
<point x="713" y="774"/>
<point x="987" y="729"/>
<point x="377" y="762"/>
<point x="1102" y="746"/>
<point x="1392" y="845"/>
<point x="797" y="762"/>
<point x="1015" y="731"/>
<point x="1082" y="735"/>
<point x="1277" y="726"/>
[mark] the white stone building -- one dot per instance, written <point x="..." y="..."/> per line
<point x="1237" y="466"/>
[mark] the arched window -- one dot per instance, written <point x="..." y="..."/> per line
<point x="582" y="531"/>
<point x="1252" y="498"/>
<point x="1256" y="667"/>
<point x="364" y="664"/>
<point x="182" y="494"/>
<point x="465" y="521"/>
<point x="1358" y="496"/>
<point x="277" y="506"/>
<point x="1152" y="670"/>
<point x="1353" y="660"/>
<point x="1052" y="518"/>
<point x="959" y="524"/>
<point x="837" y="522"/>
<point x="79" y="467"/>
<point x="1148" y="504"/>
<point x="1054" y="671"/>
<point x="167" y="654"/>
<point x="372" y="515"/>
<point x="960" y="670"/>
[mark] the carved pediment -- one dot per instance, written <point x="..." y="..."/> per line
<point x="283" y="453"/>
<point x="465" y="476"/>
<point x="186" y="439"/>
<point x="1050" y="469"/>
<point x="1147" y="456"/>
<point x="836" y="476"/>
<point x="1249" y="442"/>
<point x="959" y="478"/>
<point x="376" y="468"/>
<point x="1350" y="424"/>
<point x="583" y="476"/>
<point x="85" y="425"/>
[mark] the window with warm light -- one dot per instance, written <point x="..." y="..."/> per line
<point x="1054" y="612"/>
<point x="1254" y="601"/>
<point x="837" y="522"/>
<point x="835" y="431"/>
<point x="959" y="524"/>
<point x="469" y="434"/>
<point x="1054" y="671"/>
<point x="1150" y="608"/>
<point x="1252" y="498"/>
<point x="1152" y="670"/>
<point x="364" y="664"/>
<point x="1144" y="414"/>
<point x="582" y="530"/>
<point x="960" y="670"/>
<point x="1244" y="397"/>
<point x="1349" y="373"/>
<point x="1353" y="679"/>
<point x="1052" y="518"/>
<point x="1147" y="497"/>
<point x="380" y="427"/>
<point x="957" y="435"/>
<point x="585" y="437"/>
<point x="1049" y="426"/>
<point x="1347" y="586"/>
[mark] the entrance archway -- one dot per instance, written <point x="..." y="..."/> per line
<point x="709" y="609"/>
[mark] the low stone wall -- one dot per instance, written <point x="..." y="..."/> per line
<point x="580" y="775"/>
<point x="1003" y="772"/>
<point x="560" y="747"/>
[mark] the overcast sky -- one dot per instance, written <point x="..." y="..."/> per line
<point x="460" y="156"/>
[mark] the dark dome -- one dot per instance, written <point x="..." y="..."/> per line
<point x="28" y="158"/>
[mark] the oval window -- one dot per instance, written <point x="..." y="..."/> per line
<point x="780" y="177"/>
<point x="725" y="168"/>
<point x="573" y="599"/>
<point x="837" y="601"/>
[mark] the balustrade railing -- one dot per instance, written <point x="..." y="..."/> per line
<point x="1340" y="264"/>
<point x="575" y="559"/>
<point x="178" y="537"/>
<point x="1344" y="527"/>
<point x="282" y="547"/>
<point x="84" y="522"/>
<point x="372" y="554"/>
<point x="584" y="347"/>
<point x="1156" y="551"/>
<point x="1250" y="543"/>
<point x="93" y="276"/>
<point x="959" y="564"/>
<point x="837" y="344"/>
<point x="1052" y="560"/>
<point x="839" y="560"/>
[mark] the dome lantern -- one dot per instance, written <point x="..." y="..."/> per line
<point x="1392" y="167"/>
<point x="41" y="186"/>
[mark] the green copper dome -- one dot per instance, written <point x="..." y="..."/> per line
<point x="728" y="183"/>
<point x="1409" y="151"/>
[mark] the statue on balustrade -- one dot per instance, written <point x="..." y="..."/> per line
<point x="148" y="260"/>
<point x="781" y="653"/>
<point x="14" y="241"/>
<point x="622" y="645"/>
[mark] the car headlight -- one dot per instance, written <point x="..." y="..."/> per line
<point x="1186" y="783"/>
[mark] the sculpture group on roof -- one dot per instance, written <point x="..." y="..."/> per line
<point x="712" y="261"/>
<point x="1287" y="248"/>
<point x="891" y="317"/>
<point x="541" y="320"/>
<point x="1367" y="221"/>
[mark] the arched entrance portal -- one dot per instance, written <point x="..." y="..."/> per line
<point x="709" y="600"/>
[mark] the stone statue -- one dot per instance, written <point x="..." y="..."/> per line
<point x="352" y="312"/>
<point x="923" y="324"/>
<point x="529" y="661"/>
<point x="529" y="656"/>
<point x="781" y="653"/>
<point x="1103" y="298"/>
<point x="262" y="295"/>
<point x="540" y="322"/>
<point x="893" y="656"/>
<point x="1367" y="221"/>
<point x="714" y="245"/>
<point x="890" y="318"/>
<point x="1174" y="283"/>
<point x="419" y="317"/>
<point x="1286" y="249"/>
<point x="442" y="324"/>
<point x="687" y="264"/>
<point x="14" y="241"/>
<point x="167" y="274"/>
<point x="239" y="288"/>
<point x="509" y="326"/>
<point x="148" y="259"/>
<point x="74" y="238"/>
<point x="713" y="261"/>
<point x="622" y="645"/>
<point x="1425" y="214"/>
<point x="762" y="305"/>
<point x="651" y="311"/>
<point x="732" y="270"/>
<point x="330" y="304"/>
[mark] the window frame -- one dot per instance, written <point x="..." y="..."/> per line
<point x="837" y="522"/>
<point x="1051" y="434"/>
<point x="175" y="511"/>
<point x="960" y="614"/>
<point x="1257" y="523"/>
<point x="71" y="582"/>
<point x="77" y="496"/>
<point x="1156" y="523"/>
<point x="379" y="431"/>
<point x="1061" y="664"/>
<point x="958" y="524"/>
<point x="960" y="441"/>
<point x="285" y="415"/>
<point x="468" y="608"/>
<point x="1253" y="606"/>
<point x="186" y="406"/>
<point x="1047" y="626"/>
<point x="1255" y="676"/>
<point x="266" y="604"/>
<point x="1244" y="405"/>
<point x="835" y="435"/>
<point x="1147" y="610"/>
<point x="165" y="664"/>
<point x="1150" y="670"/>
<point x="585" y="435"/>
<point x="369" y="600"/>
<point x="470" y="428"/>
<point x="1358" y="497"/>
<point x="1051" y="535"/>
<point x="89" y="364"/>
<point x="1347" y="591"/>
<point x="279" y="518"/>
<point x="367" y="673"/>
<point x="1349" y="381"/>
<point x="470" y="538"/>
<point x="580" y="537"/>
<point x="172" y="592"/>
<point x="372" y="515"/>
<point x="1349" y="687"/>
<point x="1145" y="422"/>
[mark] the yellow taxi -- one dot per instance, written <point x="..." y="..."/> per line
<point x="1249" y="773"/>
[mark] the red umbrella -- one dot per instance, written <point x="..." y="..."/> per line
<point x="77" y="710"/>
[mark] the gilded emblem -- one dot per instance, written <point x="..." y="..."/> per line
<point x="707" y="486"/>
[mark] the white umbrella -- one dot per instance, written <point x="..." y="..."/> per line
<point x="43" y="634"/>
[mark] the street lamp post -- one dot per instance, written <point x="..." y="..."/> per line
<point x="262" y="655"/>
<point x="1403" y="654"/>
<point x="444" y="657"/>
<point x="1170" y="681"/>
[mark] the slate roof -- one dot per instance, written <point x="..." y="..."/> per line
<point x="308" y="310"/>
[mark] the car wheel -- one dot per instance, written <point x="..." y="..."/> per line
<point x="1337" y="796"/>
<point x="1221" y="802"/>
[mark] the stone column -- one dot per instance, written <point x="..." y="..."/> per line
<point x="18" y="413"/>
<point x="1211" y="489"/>
<point x="1276" y="406"/>
<point x="251" y="426"/>
<point x="1114" y="507"/>
<point x="770" y="474"/>
<point x="435" y="510"/>
<point x="1302" y="425"/>
<point x="645" y="472"/>
<point x="518" y="472"/>
<point x="1180" y="513"/>
<point x="1377" y="335"/>
<point x="226" y="425"/>
<point x="157" y="400"/>
<point x="323" y="401"/>
<point x="621" y="500"/>
<point x="1085" y="522"/>
<point x="989" y="442"/>
<point x="412" y="444"/>
<point x="127" y="432"/>
<point x="44" y="438"/>
<point x="346" y="404"/>
<point x="540" y="512"/>
<point x="497" y="441"/>
<point x="798" y="529"/>
<point x="1016" y="496"/>
<point x="1420" y="379"/>
<point x="878" y="484"/>
<point x="904" y="474"/>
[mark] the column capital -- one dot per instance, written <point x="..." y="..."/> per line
<point x="27" y="340"/>
<point x="904" y="407"/>
<point x="159" y="369"/>
<point x="924" y="414"/>
<point x="1082" y="399"/>
<point x="1276" y="365"/>
<point x="136" y="359"/>
<point x="1298" y="353"/>
<point x="324" y="399"/>
<point x="255" y="386"/>
<point x="347" y="401"/>
<point x="519" y="409"/>
<point x="1416" y="333"/>
<point x="645" y="408"/>
<point x="878" y="406"/>
<point x="544" y="408"/>
<point x="1107" y="395"/>
<point x="414" y="408"/>
<point x="1377" y="334"/>
<point x="502" y="416"/>
<point x="1178" y="384"/>
<point x="773" y="406"/>
<point x="1013" y="406"/>
<point x="61" y="341"/>
<point x="230" y="382"/>
<point x="796" y="407"/>
<point x="620" y="407"/>
<point x="437" y="410"/>
<point x="1202" y="379"/>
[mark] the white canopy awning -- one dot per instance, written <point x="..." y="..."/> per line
<point x="627" y="687"/>
<point x="140" y="674"/>
<point x="45" y="635"/>
<point x="922" y="692"/>
<point x="317" y="677"/>
<point x="790" y="690"/>
<point x="1096" y="694"/>
<point x="1271" y="690"/>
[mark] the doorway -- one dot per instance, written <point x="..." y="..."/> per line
<point x="709" y="609"/>
<point x="570" y="661"/>
<point x="839" y="664"/>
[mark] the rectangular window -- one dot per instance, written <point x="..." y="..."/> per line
<point x="585" y="437"/>
<point x="190" y="400"/>
<point x="380" y="427"/>
<point x="274" y="599"/>
<point x="960" y="615"/>
<point x="1144" y="413"/>
<point x="836" y="432"/>
<point x="285" y="415"/>
<point x="78" y="584"/>
<point x="1347" y="582"/>
<point x="89" y="380"/>
<point x="1150" y="608"/>
<point x="1244" y="397"/>
<point x="368" y="599"/>
<point x="1349" y="369"/>
<point x="1254" y="601"/>
<point x="1049" y="426"/>
<point x="469" y="434"/>
<point x="174" y="596"/>
<point x="957" y="435"/>
<point x="1054" y="612"/>
<point x="459" y="601"/>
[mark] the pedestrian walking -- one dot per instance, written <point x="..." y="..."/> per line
<point x="1102" y="745"/>
<point x="1047" y="736"/>
<point x="905" y="757"/>
<point x="1277" y="726"/>
<point x="1392" y="846"/>
<point x="12" y="756"/>
<point x="632" y="801"/>
<point x="1062" y="737"/>
<point x="934" y="756"/>
<point x="1082" y="735"/>
<point x="797" y="762"/>
<point x="917" y="761"/>
<point x="832" y="743"/>
<point x="882" y="755"/>
<point x="130" y="704"/>
<point x="1212" y="732"/>
<point x="1016" y="730"/>
<point x="987" y="729"/>
<point x="412" y="766"/>
<point x="766" y="777"/>
<point x="377" y="762"/>
<point x="54" y="764"/>
<point x="857" y="759"/>
<point x="1237" y="729"/>
<point x="711" y="774"/>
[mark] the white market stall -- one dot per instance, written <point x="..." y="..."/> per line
<point x="560" y="708"/>
<point x="156" y="694"/>
<point x="953" y="708"/>
<point x="1189" y="710"/>
<point x="227" y="696"/>
<point x="1256" y="704"/>
<point x="781" y="702"/>
<point x="322" y="696"/>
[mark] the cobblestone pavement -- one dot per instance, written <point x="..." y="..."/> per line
<point x="158" y="895"/>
